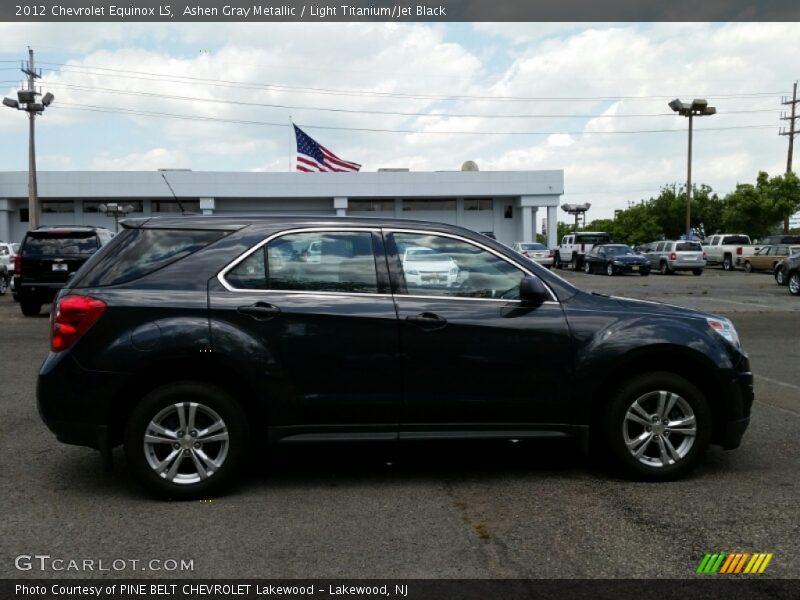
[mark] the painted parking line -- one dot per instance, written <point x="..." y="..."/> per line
<point x="791" y="386"/>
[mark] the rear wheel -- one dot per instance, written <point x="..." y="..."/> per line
<point x="727" y="263"/>
<point x="30" y="309"/>
<point x="748" y="268"/>
<point x="557" y="261"/>
<point x="794" y="284"/>
<point x="656" y="427"/>
<point x="186" y="440"/>
<point x="697" y="272"/>
<point x="780" y="276"/>
<point x="664" y="268"/>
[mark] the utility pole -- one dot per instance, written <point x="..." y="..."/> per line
<point x="791" y="133"/>
<point x="26" y="100"/>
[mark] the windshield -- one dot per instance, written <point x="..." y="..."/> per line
<point x="55" y="243"/>
<point x="618" y="250"/>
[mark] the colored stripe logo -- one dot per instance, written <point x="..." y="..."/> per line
<point x="731" y="563"/>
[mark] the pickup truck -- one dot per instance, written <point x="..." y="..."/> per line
<point x="728" y="250"/>
<point x="574" y="246"/>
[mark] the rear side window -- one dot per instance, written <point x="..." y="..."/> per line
<point x="591" y="239"/>
<point x="135" y="253"/>
<point x="688" y="247"/>
<point x="735" y="239"/>
<point x="52" y="243"/>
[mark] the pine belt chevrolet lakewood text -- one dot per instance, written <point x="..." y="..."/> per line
<point x="188" y="339"/>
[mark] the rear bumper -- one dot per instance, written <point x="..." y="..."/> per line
<point x="76" y="404"/>
<point x="686" y="265"/>
<point x="43" y="293"/>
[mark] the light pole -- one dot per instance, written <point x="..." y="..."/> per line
<point x="26" y="100"/>
<point x="112" y="209"/>
<point x="698" y="108"/>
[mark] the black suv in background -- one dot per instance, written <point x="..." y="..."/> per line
<point x="48" y="256"/>
<point x="188" y="338"/>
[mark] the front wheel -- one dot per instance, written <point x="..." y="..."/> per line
<point x="748" y="268"/>
<point x="587" y="268"/>
<point x="697" y="272"/>
<point x="185" y="440"/>
<point x="610" y="270"/>
<point x="656" y="427"/>
<point x="794" y="284"/>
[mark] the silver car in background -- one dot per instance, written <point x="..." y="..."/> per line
<point x="535" y="251"/>
<point x="669" y="256"/>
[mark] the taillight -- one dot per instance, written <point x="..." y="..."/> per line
<point x="525" y="253"/>
<point x="673" y="256"/>
<point x="72" y="317"/>
<point x="18" y="264"/>
<point x="739" y="250"/>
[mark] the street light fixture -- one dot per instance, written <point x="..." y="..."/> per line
<point x="112" y="209"/>
<point x="698" y="108"/>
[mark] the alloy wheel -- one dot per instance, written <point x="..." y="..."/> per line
<point x="186" y="443"/>
<point x="794" y="284"/>
<point x="3" y="286"/>
<point x="780" y="278"/>
<point x="587" y="268"/>
<point x="610" y="269"/>
<point x="659" y="428"/>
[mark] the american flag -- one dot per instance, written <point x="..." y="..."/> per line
<point x="314" y="157"/>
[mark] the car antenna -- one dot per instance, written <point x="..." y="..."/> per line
<point x="183" y="212"/>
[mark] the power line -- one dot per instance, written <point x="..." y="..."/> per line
<point x="142" y="113"/>
<point x="377" y="112"/>
<point x="172" y="78"/>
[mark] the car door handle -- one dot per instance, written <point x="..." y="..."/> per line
<point x="427" y="320"/>
<point x="260" y="311"/>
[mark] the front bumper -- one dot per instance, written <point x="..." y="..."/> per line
<point x="738" y="401"/>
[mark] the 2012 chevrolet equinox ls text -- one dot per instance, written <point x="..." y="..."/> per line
<point x="188" y="339"/>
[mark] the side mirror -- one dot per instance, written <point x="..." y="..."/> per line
<point x="532" y="291"/>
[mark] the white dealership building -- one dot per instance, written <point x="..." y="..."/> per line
<point x="505" y="203"/>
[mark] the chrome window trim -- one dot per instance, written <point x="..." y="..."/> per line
<point x="245" y="255"/>
<point x="454" y="236"/>
<point x="379" y="230"/>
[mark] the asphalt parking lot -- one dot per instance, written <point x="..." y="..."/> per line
<point x="426" y="511"/>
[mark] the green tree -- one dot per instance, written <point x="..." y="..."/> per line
<point x="636" y="225"/>
<point x="759" y="209"/>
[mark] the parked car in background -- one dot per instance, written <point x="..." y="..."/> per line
<point x="426" y="267"/>
<point x="8" y="253"/>
<point x="782" y="269"/>
<point x="780" y="239"/>
<point x="767" y="258"/>
<point x="48" y="256"/>
<point x="614" y="259"/>
<point x="5" y="280"/>
<point x="536" y="252"/>
<point x="728" y="250"/>
<point x="183" y="342"/>
<point x="791" y="267"/>
<point x="574" y="246"/>
<point x="669" y="256"/>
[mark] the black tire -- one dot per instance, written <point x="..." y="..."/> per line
<point x="794" y="283"/>
<point x="697" y="272"/>
<point x="29" y="308"/>
<point x="3" y="285"/>
<point x="212" y="401"/>
<point x="748" y="268"/>
<point x="727" y="263"/>
<point x="587" y="267"/>
<point x="557" y="261"/>
<point x="610" y="270"/>
<point x="780" y="276"/>
<point x="613" y="427"/>
<point x="664" y="268"/>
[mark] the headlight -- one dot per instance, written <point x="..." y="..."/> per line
<point x="617" y="263"/>
<point x="726" y="329"/>
<point x="412" y="272"/>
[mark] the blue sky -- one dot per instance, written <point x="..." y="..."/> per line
<point x="510" y="78"/>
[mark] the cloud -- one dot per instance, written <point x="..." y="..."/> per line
<point x="151" y="160"/>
